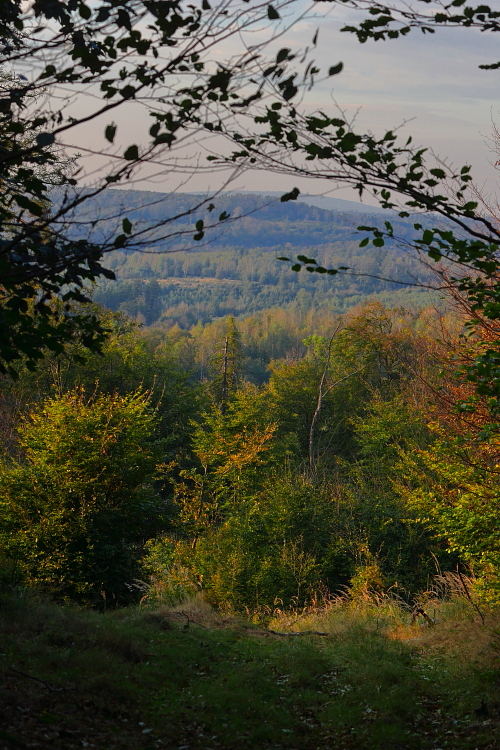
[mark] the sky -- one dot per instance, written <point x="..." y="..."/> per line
<point x="430" y="82"/>
<point x="430" y="85"/>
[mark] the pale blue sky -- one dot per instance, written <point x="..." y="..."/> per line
<point x="432" y="81"/>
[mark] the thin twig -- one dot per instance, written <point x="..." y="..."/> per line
<point x="302" y="632"/>
<point x="52" y="688"/>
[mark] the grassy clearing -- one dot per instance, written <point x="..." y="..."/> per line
<point x="189" y="678"/>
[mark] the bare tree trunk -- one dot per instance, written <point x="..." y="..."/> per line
<point x="224" y="392"/>
<point x="319" y="403"/>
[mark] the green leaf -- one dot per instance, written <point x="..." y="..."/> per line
<point x="364" y="242"/>
<point x="272" y="13"/>
<point x="84" y="11"/>
<point x="470" y="206"/>
<point x="291" y="196"/>
<point x="45" y="139"/>
<point x="164" y="138"/>
<point x="131" y="153"/>
<point x="335" y="69"/>
<point x="127" y="225"/>
<point x="110" y="132"/>
<point x="493" y="66"/>
<point x="24" y="202"/>
<point x="49" y="71"/>
<point x="288" y="88"/>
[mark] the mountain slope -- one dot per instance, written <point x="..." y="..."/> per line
<point x="235" y="270"/>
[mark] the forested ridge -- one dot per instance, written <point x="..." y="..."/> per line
<point x="236" y="271"/>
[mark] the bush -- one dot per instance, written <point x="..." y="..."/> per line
<point x="76" y="512"/>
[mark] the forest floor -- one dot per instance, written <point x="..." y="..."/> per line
<point x="188" y="678"/>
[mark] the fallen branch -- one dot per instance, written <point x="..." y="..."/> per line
<point x="52" y="688"/>
<point x="189" y="621"/>
<point x="419" y="611"/>
<point x="302" y="632"/>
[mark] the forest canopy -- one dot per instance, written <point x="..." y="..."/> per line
<point x="275" y="456"/>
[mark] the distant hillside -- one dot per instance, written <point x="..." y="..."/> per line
<point x="338" y="204"/>
<point x="266" y="221"/>
<point x="333" y="204"/>
<point x="235" y="269"/>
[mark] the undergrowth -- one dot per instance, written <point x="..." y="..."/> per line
<point x="369" y="674"/>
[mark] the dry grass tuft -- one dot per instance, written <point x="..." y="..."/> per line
<point x="194" y="610"/>
<point x="458" y="632"/>
<point x="455" y="623"/>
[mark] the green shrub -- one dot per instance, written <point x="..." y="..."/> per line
<point x="76" y="512"/>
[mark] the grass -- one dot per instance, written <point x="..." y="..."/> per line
<point x="189" y="678"/>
